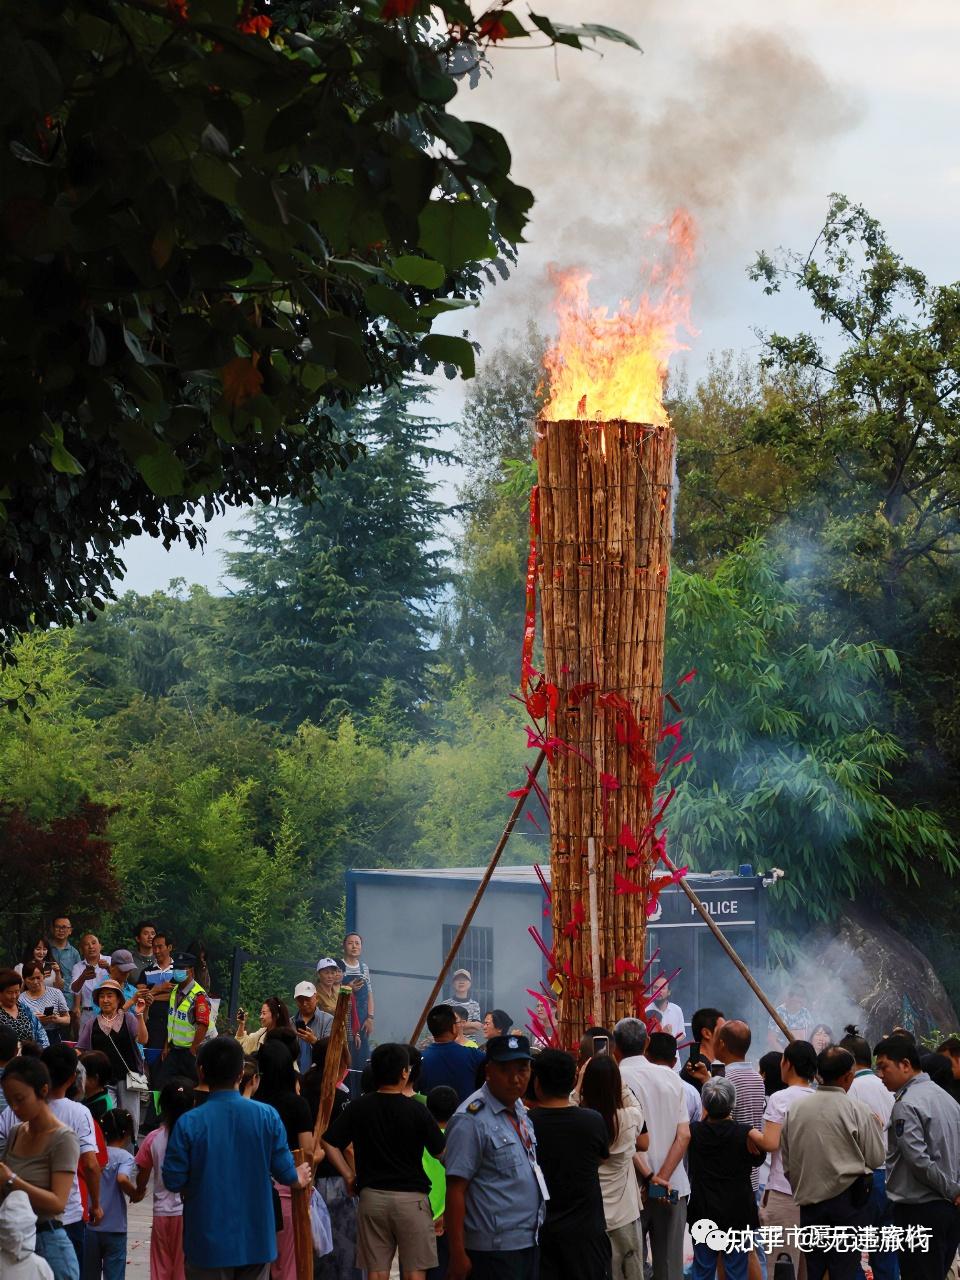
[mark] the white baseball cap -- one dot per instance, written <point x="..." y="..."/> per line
<point x="304" y="989"/>
<point x="327" y="963"/>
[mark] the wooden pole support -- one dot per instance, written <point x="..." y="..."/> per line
<point x="300" y="1217"/>
<point x="594" y="932"/>
<point x="331" y="1070"/>
<point x="744" y="971"/>
<point x="472" y="909"/>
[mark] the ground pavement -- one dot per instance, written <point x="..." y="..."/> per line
<point x="139" y="1224"/>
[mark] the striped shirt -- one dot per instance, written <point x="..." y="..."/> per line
<point x="751" y="1101"/>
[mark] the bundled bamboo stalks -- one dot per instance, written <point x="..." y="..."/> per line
<point x="605" y="494"/>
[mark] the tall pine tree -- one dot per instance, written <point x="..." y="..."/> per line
<point x="335" y="609"/>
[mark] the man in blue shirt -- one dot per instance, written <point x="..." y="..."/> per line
<point x="495" y="1188"/>
<point x="221" y="1158"/>
<point x="66" y="956"/>
<point x="446" y="1061"/>
<point x="310" y="1023"/>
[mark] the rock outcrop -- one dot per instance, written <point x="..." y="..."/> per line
<point x="862" y="960"/>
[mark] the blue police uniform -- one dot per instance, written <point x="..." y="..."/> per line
<point x="493" y="1146"/>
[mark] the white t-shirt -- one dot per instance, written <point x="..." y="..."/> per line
<point x="85" y="995"/>
<point x="869" y="1088"/>
<point x="76" y="1117"/>
<point x="166" y="1204"/>
<point x="671" y="1019"/>
<point x="694" y="1105"/>
<point x="778" y="1104"/>
<point x="661" y="1095"/>
<point x="618" y="1181"/>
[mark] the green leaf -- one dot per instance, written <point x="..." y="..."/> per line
<point x="596" y="31"/>
<point x="437" y="306"/>
<point x="421" y="271"/>
<point x="456" y="133"/>
<point x="451" y="350"/>
<point x="554" y="32"/>
<point x="290" y="126"/>
<point x="61" y="457"/>
<point x="163" y="472"/>
<point x="455" y="232"/>
<point x="357" y="270"/>
<point x="198" y="345"/>
<point x="512" y="24"/>
<point x="217" y="177"/>
<point x="385" y="301"/>
<point x="212" y="264"/>
<point x="133" y="346"/>
<point x="333" y="207"/>
<point x="257" y="197"/>
<point x="29" y="73"/>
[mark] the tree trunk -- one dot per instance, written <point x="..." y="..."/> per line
<point x="605" y="510"/>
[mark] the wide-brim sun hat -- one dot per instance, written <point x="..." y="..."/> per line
<point x="108" y="984"/>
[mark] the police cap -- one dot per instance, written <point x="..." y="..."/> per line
<point x="508" y="1049"/>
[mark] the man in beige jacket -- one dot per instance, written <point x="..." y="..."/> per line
<point x="830" y="1145"/>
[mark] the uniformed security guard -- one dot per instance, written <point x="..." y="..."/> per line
<point x="495" y="1189"/>
<point x="187" y="1022"/>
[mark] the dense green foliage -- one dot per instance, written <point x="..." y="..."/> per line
<point x="339" y="597"/>
<point x="219" y="218"/>
<point x="790" y="767"/>
<point x="228" y="829"/>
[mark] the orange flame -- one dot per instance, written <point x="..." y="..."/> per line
<point x="614" y="366"/>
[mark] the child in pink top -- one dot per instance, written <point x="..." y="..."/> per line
<point x="166" y="1239"/>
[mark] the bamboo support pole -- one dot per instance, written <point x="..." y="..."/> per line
<point x="336" y="1045"/>
<point x="300" y="1221"/>
<point x="594" y="932"/>
<point x="740" y="966"/>
<point x="472" y="909"/>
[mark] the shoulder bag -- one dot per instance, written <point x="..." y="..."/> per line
<point x="135" y="1081"/>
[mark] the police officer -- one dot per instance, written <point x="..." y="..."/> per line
<point x="495" y="1189"/>
<point x="187" y="1022"/>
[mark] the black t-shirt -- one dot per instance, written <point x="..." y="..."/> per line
<point x="720" y="1166"/>
<point x="696" y="1057"/>
<point x="158" y="1010"/>
<point x="571" y="1142"/>
<point x="98" y="1105"/>
<point x="124" y="1056"/>
<point x="389" y="1133"/>
<point x="341" y="1100"/>
<point x="294" y="1113"/>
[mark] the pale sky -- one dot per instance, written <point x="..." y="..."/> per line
<point x="748" y="113"/>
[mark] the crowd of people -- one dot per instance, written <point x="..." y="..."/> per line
<point x="473" y="1153"/>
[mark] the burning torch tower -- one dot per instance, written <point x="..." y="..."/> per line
<point x="605" y="458"/>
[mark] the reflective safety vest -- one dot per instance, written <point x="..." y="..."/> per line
<point x="181" y="1027"/>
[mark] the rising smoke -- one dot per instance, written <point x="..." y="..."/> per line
<point x="723" y="120"/>
<point x="752" y="115"/>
